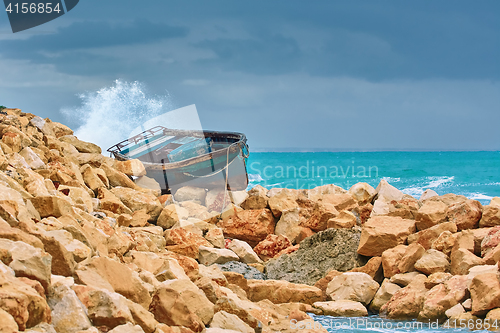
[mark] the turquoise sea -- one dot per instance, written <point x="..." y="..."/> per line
<point x="473" y="174"/>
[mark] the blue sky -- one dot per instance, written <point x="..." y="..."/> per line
<point x="362" y="75"/>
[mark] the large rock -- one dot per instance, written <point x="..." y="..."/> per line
<point x="22" y="302"/>
<point x="131" y="167"/>
<point x="407" y="302"/>
<point x="490" y="241"/>
<point x="342" y="308"/>
<point x="289" y="223"/>
<point x="106" y="308"/>
<point x="363" y="193"/>
<point x="170" y="215"/>
<point x="321" y="214"/>
<point x="490" y="216"/>
<point x="251" y="226"/>
<point x="462" y="260"/>
<point x="282" y="292"/>
<point x="257" y="198"/>
<point x="193" y="297"/>
<point x="243" y="251"/>
<point x="428" y="236"/>
<point x="383" y="295"/>
<point x="190" y="193"/>
<point x="81" y="146"/>
<point x="430" y="214"/>
<point x="209" y="256"/>
<point x="485" y="293"/>
<point x="384" y="232"/>
<point x="105" y="273"/>
<point x="283" y="200"/>
<point x="169" y="307"/>
<point x="28" y="261"/>
<point x="52" y="206"/>
<point x="391" y="259"/>
<point x="272" y="246"/>
<point x="443" y="297"/>
<point x="229" y="321"/>
<point x="465" y="214"/>
<point x="68" y="313"/>
<point x="387" y="192"/>
<point x="332" y="249"/>
<point x="352" y="286"/>
<point x="433" y="261"/>
<point x="136" y="200"/>
<point x="413" y="253"/>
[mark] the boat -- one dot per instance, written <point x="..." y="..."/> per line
<point x="176" y="158"/>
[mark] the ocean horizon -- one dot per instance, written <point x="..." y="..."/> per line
<point x="474" y="174"/>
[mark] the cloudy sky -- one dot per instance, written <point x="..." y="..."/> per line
<point x="349" y="75"/>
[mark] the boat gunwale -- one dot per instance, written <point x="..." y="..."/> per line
<point x="233" y="148"/>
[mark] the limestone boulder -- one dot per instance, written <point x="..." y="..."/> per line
<point x="170" y="215"/>
<point x="388" y="192"/>
<point x="407" y="302"/>
<point x="428" y="236"/>
<point x="136" y="200"/>
<point x="317" y="193"/>
<point x="404" y="279"/>
<point x="81" y="146"/>
<point x="412" y="254"/>
<point x="228" y="321"/>
<point x="485" y="293"/>
<point x="443" y="297"/>
<point x="465" y="214"/>
<point x="52" y="206"/>
<point x="190" y="193"/>
<point x="22" y="302"/>
<point x="68" y="313"/>
<point x="216" y="237"/>
<point x="363" y="193"/>
<point x="105" y="273"/>
<point x="341" y="201"/>
<point x="251" y="226"/>
<point x="28" y="261"/>
<point x="433" y="261"/>
<point x="430" y="214"/>
<point x="109" y="201"/>
<point x="490" y="216"/>
<point x="9" y="325"/>
<point x="283" y="200"/>
<point x="209" y="256"/>
<point x="181" y="236"/>
<point x="462" y="260"/>
<point x="383" y="295"/>
<point x="127" y="328"/>
<point x="290" y="222"/>
<point x="482" y="269"/>
<point x="106" y="308"/>
<point x="384" y="232"/>
<point x="244" y="251"/>
<point x="132" y="167"/>
<point x="282" y="292"/>
<point x="332" y="249"/>
<point x="342" y="308"/>
<point x="436" y="278"/>
<point x="445" y="242"/>
<point x="490" y="241"/>
<point x="94" y="178"/>
<point x="272" y="246"/>
<point x="193" y="297"/>
<point x="117" y="178"/>
<point x="33" y="160"/>
<point x="353" y="286"/>
<point x="257" y="198"/>
<point x="344" y="219"/>
<point x="427" y="194"/>
<point x="169" y="307"/>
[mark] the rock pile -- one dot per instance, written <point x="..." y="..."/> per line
<point x="89" y="244"/>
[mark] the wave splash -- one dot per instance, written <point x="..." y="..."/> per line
<point x="110" y="114"/>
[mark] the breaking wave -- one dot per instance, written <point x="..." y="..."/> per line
<point x="108" y="116"/>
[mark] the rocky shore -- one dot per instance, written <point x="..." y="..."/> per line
<point x="89" y="244"/>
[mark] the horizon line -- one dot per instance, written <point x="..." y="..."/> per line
<point x="354" y="150"/>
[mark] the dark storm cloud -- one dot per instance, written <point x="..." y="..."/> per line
<point x="90" y="35"/>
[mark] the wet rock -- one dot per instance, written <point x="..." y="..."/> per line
<point x="332" y="249"/>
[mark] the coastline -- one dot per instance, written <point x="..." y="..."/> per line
<point x="87" y="246"/>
